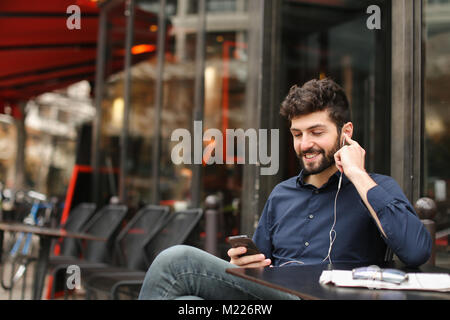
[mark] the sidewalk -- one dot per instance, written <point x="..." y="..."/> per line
<point x="28" y="293"/>
<point x="17" y="292"/>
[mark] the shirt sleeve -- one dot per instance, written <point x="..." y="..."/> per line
<point x="406" y="234"/>
<point x="262" y="237"/>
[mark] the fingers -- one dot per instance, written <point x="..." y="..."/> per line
<point x="250" y="260"/>
<point x="253" y="261"/>
<point x="350" y="158"/>
<point x="338" y="162"/>
<point x="234" y="253"/>
<point x="344" y="139"/>
<point x="349" y="140"/>
<point x="263" y="263"/>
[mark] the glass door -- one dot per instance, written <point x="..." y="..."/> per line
<point x="342" y="41"/>
<point x="436" y="157"/>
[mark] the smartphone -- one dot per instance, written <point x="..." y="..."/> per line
<point x="244" y="241"/>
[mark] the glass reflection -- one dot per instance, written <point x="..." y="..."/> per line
<point x="141" y="131"/>
<point x="178" y="103"/>
<point x="226" y="77"/>
<point x="112" y="103"/>
<point x="332" y="40"/>
<point x="436" y="109"/>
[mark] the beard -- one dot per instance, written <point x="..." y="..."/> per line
<point x="326" y="161"/>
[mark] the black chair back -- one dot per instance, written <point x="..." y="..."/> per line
<point x="78" y="217"/>
<point x="175" y="231"/>
<point x="106" y="224"/>
<point x="131" y="240"/>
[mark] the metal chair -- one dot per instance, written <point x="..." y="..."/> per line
<point x="78" y="217"/>
<point x="106" y="224"/>
<point x="127" y="284"/>
<point x="131" y="240"/>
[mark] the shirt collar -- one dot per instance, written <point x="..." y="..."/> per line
<point x="334" y="179"/>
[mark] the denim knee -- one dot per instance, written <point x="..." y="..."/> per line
<point x="176" y="252"/>
<point x="161" y="273"/>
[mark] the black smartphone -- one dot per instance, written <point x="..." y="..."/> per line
<point x="244" y="241"/>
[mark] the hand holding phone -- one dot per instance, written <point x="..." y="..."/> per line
<point x="244" y="241"/>
<point x="244" y="253"/>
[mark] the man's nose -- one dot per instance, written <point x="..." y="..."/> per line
<point x="306" y="144"/>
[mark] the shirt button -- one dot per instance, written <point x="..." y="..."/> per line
<point x="311" y="216"/>
<point x="306" y="243"/>
<point x="316" y="191"/>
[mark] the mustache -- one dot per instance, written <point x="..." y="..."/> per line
<point x="311" y="150"/>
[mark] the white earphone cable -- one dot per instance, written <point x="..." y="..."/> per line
<point x="333" y="233"/>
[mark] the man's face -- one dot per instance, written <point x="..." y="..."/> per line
<point x="316" y="140"/>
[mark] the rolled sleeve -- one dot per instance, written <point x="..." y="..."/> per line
<point x="406" y="234"/>
<point x="379" y="198"/>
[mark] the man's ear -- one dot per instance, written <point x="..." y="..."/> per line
<point x="348" y="130"/>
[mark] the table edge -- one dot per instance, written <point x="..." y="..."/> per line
<point x="240" y="272"/>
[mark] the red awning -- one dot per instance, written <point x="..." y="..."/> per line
<point x="38" y="53"/>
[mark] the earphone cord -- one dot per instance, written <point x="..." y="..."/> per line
<point x="332" y="231"/>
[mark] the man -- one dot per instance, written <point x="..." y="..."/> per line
<point x="332" y="212"/>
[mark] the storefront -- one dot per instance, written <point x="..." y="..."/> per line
<point x="164" y="65"/>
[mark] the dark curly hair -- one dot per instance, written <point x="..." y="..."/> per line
<point x="317" y="95"/>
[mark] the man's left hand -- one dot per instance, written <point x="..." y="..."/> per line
<point x="350" y="158"/>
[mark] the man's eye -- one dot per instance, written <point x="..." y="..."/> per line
<point x="317" y="133"/>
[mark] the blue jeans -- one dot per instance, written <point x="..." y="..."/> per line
<point x="183" y="272"/>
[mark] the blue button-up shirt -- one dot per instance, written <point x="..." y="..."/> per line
<point x="297" y="218"/>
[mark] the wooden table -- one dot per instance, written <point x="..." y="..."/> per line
<point x="45" y="236"/>
<point x="303" y="281"/>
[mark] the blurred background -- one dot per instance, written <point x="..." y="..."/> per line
<point x="87" y="114"/>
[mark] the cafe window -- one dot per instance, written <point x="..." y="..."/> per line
<point x="8" y="138"/>
<point x="112" y="103"/>
<point x="436" y="182"/>
<point x="332" y="40"/>
<point x="226" y="82"/>
<point x="140" y="129"/>
<point x="220" y="6"/>
<point x="178" y="89"/>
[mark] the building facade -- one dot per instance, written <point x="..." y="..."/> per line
<point x="166" y="65"/>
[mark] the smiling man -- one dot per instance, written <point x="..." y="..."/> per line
<point x="332" y="212"/>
